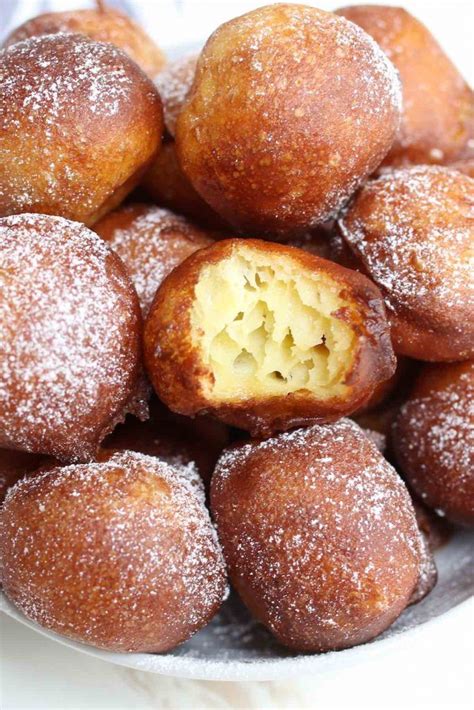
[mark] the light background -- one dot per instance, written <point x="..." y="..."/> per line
<point x="432" y="669"/>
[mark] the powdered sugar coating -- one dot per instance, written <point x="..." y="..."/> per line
<point x="438" y="104"/>
<point x="319" y="534"/>
<point x="78" y="119"/>
<point x="291" y="109"/>
<point x="69" y="337"/>
<point x="121" y="555"/>
<point x="412" y="232"/>
<point x="101" y="25"/>
<point x="433" y="438"/>
<point x="151" y="241"/>
<point x="174" y="83"/>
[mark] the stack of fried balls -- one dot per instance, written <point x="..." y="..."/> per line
<point x="236" y="324"/>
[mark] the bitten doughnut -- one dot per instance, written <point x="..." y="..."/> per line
<point x="291" y="109"/>
<point x="13" y="466"/>
<point x="70" y="345"/>
<point x="433" y="440"/>
<point x="103" y="24"/>
<point x="178" y="440"/>
<point x="174" y="83"/>
<point x="168" y="186"/>
<point x="266" y="337"/>
<point x="412" y="231"/>
<point x="438" y="105"/>
<point x="319" y="535"/>
<point x="80" y="123"/>
<point x="151" y="242"/>
<point x="121" y="555"/>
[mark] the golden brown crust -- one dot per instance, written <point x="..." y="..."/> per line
<point x="438" y="105"/>
<point x="80" y="123"/>
<point x="121" y="555"/>
<point x="319" y="535"/>
<point x="167" y="185"/>
<point x="433" y="440"/>
<point x="101" y="25"/>
<point x="411" y="231"/>
<point x="151" y="241"/>
<point x="249" y="137"/>
<point x="70" y="352"/>
<point x="178" y="375"/>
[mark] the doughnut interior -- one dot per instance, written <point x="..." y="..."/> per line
<point x="265" y="328"/>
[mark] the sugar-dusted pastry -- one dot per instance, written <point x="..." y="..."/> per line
<point x="291" y="109"/>
<point x="319" y="535"/>
<point x="121" y="554"/>
<point x="412" y="232"/>
<point x="70" y="350"/>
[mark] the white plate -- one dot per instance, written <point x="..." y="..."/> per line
<point x="234" y="647"/>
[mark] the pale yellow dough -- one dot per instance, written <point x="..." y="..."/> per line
<point x="265" y="328"/>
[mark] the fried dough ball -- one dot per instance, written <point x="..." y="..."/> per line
<point x="167" y="185"/>
<point x="13" y="466"/>
<point x="174" y="83"/>
<point x="433" y="440"/>
<point x="411" y="231"/>
<point x="291" y="109"/>
<point x="70" y="337"/>
<point x="79" y="124"/>
<point x="121" y="555"/>
<point x="151" y="242"/>
<point x="103" y="24"/>
<point x="266" y="337"/>
<point x="176" y="439"/>
<point x="438" y="105"/>
<point x="319" y="535"/>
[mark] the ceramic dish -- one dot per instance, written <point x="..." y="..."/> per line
<point x="234" y="647"/>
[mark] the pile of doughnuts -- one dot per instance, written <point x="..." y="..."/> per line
<point x="236" y="324"/>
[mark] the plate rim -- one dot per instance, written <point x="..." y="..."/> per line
<point x="265" y="669"/>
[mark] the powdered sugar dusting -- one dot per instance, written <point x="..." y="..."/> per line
<point x="436" y="434"/>
<point x="68" y="336"/>
<point x="173" y="84"/>
<point x="46" y="81"/>
<point x="58" y="89"/>
<point x="141" y="566"/>
<point x="414" y="231"/>
<point x="151" y="241"/>
<point x="317" y="535"/>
